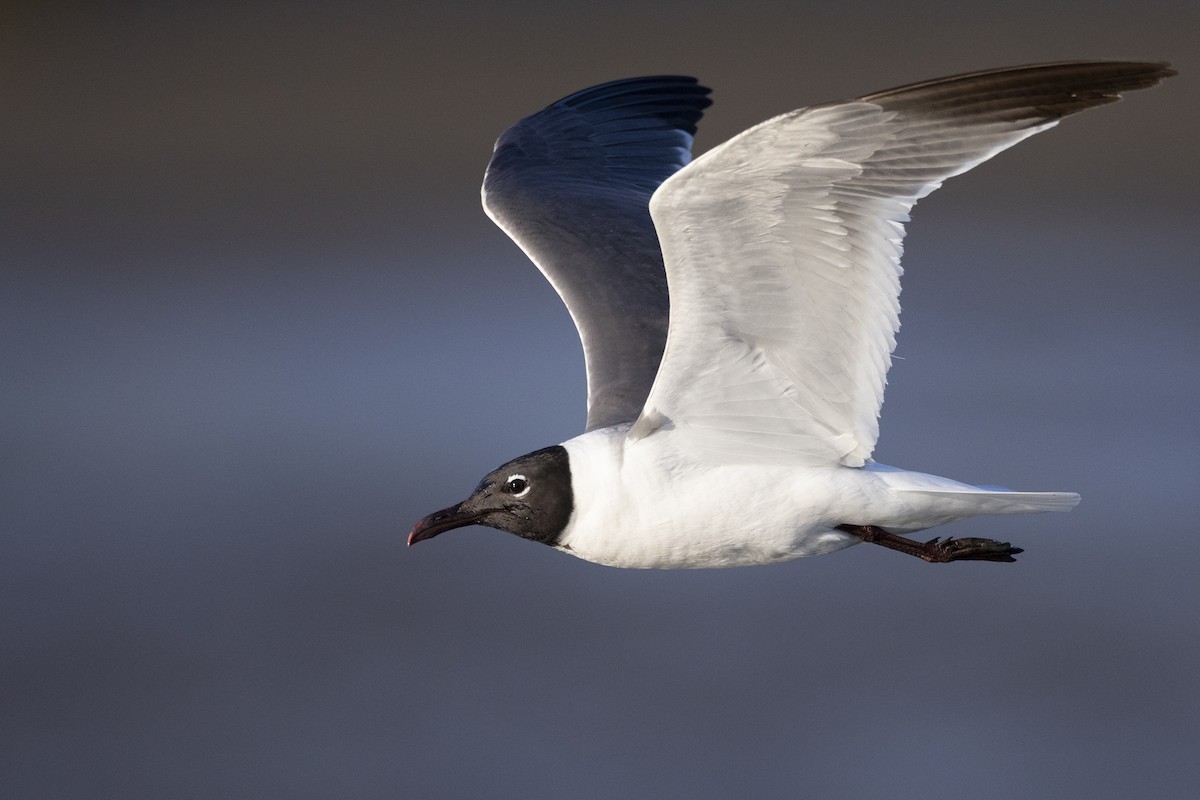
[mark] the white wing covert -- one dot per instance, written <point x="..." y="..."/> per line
<point x="782" y="251"/>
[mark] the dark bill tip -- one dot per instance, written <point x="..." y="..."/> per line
<point x="441" y="521"/>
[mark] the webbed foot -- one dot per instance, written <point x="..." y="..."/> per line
<point x="937" y="550"/>
<point x="973" y="549"/>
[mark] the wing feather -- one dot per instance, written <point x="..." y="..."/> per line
<point x="782" y="250"/>
<point x="571" y="185"/>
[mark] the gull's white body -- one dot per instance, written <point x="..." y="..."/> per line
<point x="644" y="503"/>
<point x="738" y="428"/>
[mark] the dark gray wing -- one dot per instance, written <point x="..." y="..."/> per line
<point x="571" y="185"/>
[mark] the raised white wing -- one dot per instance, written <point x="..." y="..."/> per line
<point x="571" y="185"/>
<point x="782" y="250"/>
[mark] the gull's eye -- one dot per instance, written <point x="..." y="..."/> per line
<point x="516" y="485"/>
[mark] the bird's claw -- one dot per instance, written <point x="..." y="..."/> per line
<point x="974" y="549"/>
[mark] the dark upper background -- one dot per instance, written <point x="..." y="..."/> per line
<point x="254" y="324"/>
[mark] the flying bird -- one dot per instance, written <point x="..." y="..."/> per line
<point x="738" y="313"/>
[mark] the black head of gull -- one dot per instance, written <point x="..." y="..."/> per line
<point x="530" y="496"/>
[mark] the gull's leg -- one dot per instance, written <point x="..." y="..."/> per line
<point x="938" y="552"/>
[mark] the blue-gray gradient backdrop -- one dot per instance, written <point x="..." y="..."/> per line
<point x="254" y="324"/>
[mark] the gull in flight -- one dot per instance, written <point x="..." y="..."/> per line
<point x="738" y="428"/>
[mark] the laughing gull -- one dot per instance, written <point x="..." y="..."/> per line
<point x="739" y="429"/>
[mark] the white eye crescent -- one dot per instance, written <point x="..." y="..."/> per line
<point x="517" y="485"/>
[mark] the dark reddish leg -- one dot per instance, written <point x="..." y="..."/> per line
<point x="938" y="552"/>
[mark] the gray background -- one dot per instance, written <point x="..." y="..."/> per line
<point x="254" y="325"/>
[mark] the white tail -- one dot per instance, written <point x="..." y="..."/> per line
<point x="991" y="501"/>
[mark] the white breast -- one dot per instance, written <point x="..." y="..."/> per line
<point x="638" y="505"/>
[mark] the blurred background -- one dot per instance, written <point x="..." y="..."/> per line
<point x="254" y="324"/>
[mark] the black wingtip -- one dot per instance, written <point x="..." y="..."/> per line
<point x="673" y="84"/>
<point x="677" y="100"/>
<point x="1069" y="83"/>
